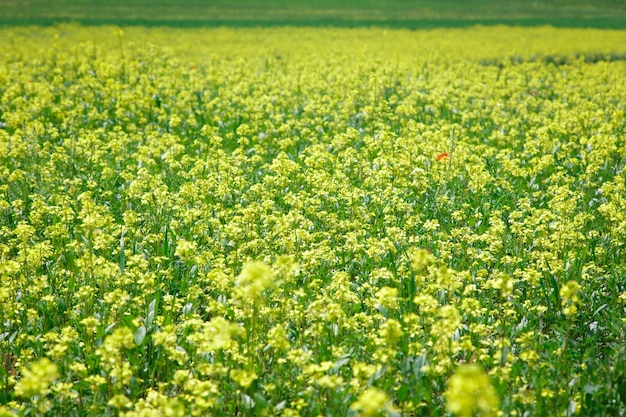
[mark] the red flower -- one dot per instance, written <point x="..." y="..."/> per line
<point x="443" y="155"/>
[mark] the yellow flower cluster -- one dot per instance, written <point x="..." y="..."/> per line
<point x="303" y="222"/>
<point x="470" y="393"/>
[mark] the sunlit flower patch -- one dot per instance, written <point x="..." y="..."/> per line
<point x="304" y="222"/>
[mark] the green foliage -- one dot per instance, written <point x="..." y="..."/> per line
<point x="344" y="13"/>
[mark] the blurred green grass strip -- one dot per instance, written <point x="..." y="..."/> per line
<point x="343" y="13"/>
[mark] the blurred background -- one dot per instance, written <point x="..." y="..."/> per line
<point x="344" y="13"/>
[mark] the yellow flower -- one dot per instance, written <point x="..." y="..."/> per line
<point x="4" y="412"/>
<point x="255" y="277"/>
<point x="277" y="338"/>
<point x="504" y="283"/>
<point x="569" y="298"/>
<point x="242" y="377"/>
<point x="387" y="298"/>
<point x="371" y="402"/>
<point x="37" y="379"/>
<point x="421" y="258"/>
<point x="470" y="393"/>
<point x="186" y="250"/>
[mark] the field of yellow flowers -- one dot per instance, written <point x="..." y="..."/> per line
<point x="306" y="222"/>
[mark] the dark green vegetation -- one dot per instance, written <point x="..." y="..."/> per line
<point x="346" y="13"/>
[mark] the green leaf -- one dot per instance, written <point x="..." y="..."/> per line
<point x="140" y="335"/>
